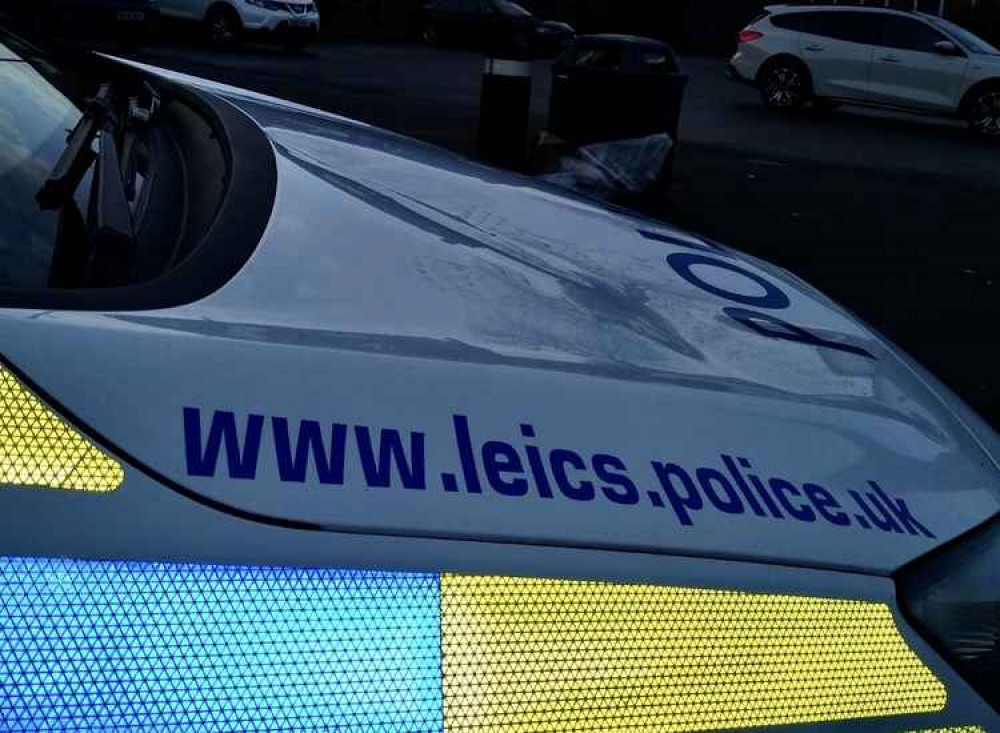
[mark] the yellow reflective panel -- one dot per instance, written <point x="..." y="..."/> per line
<point x="39" y="448"/>
<point x="547" y="655"/>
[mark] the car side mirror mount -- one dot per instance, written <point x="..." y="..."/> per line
<point x="947" y="48"/>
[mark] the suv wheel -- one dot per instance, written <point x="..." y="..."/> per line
<point x="784" y="86"/>
<point x="984" y="113"/>
<point x="429" y="34"/>
<point x="223" y="27"/>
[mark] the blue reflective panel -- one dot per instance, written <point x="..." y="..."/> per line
<point x="149" y="646"/>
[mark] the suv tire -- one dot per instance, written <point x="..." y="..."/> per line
<point x="784" y="85"/>
<point x="223" y="26"/>
<point x="983" y="113"/>
<point x="429" y="33"/>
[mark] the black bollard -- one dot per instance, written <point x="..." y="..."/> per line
<point x="504" y="112"/>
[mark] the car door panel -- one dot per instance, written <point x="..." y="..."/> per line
<point x="838" y="68"/>
<point x="907" y="71"/>
<point x="837" y="46"/>
<point x="915" y="79"/>
<point x="190" y="9"/>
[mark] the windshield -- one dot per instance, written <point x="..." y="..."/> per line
<point x="35" y="119"/>
<point x="513" y="9"/>
<point x="968" y="40"/>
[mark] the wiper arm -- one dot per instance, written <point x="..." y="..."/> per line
<point x="79" y="154"/>
<point x="110" y="233"/>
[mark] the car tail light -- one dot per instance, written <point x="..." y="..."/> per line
<point x="748" y="36"/>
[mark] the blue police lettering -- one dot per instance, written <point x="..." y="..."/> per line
<point x="500" y="460"/>
<point x="618" y="487"/>
<point x="318" y="451"/>
<point x="309" y="443"/>
<point x="771" y="298"/>
<point x="826" y="505"/>
<point x="241" y="460"/>
<point x="780" y="330"/>
<point x="782" y="491"/>
<point x="579" y="490"/>
<point x="683" y="503"/>
<point x="710" y="480"/>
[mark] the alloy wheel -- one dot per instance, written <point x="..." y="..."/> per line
<point x="783" y="87"/>
<point x="223" y="31"/>
<point x="429" y="34"/>
<point x="985" y="114"/>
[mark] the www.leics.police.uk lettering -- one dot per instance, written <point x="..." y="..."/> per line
<point x="311" y="452"/>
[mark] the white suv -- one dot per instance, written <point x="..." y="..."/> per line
<point x="292" y="22"/>
<point x="870" y="56"/>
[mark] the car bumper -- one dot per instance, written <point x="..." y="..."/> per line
<point x="746" y="62"/>
<point x="272" y="22"/>
<point x="733" y="72"/>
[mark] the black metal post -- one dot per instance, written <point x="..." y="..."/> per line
<point x="504" y="112"/>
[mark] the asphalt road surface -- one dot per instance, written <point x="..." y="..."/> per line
<point x="433" y="94"/>
<point x="897" y="217"/>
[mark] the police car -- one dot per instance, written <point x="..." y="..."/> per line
<point x="308" y="426"/>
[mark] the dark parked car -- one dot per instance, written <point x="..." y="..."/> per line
<point x="489" y="25"/>
<point x="122" y="19"/>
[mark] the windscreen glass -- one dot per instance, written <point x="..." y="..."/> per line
<point x="35" y="119"/>
<point x="512" y="9"/>
<point x="972" y="42"/>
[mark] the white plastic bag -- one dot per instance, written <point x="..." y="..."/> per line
<point x="609" y="168"/>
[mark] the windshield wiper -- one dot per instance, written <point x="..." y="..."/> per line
<point x="79" y="153"/>
<point x="110" y="236"/>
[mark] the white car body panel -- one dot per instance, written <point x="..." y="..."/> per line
<point x="399" y="286"/>
<point x="916" y="79"/>
<point x="185" y="9"/>
<point x="252" y="17"/>
<point x="838" y="68"/>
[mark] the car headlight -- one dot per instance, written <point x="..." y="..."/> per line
<point x="953" y="596"/>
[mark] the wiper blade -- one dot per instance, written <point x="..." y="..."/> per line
<point x="110" y="216"/>
<point x="110" y="235"/>
<point x="79" y="154"/>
